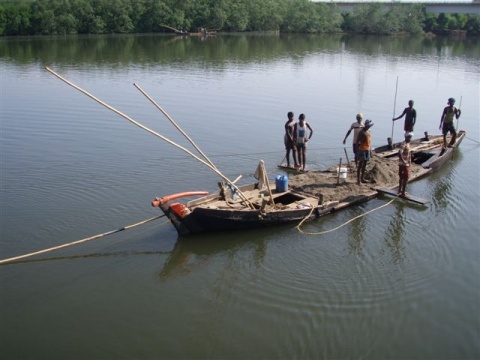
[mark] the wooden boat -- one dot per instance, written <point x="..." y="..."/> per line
<point x="320" y="193"/>
<point x="291" y="169"/>
<point x="310" y="195"/>
<point x="426" y="151"/>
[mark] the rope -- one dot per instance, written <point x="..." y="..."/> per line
<point x="466" y="137"/>
<point x="340" y="226"/>
<point x="79" y="241"/>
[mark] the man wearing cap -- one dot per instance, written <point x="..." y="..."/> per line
<point x="364" y="148"/>
<point x="449" y="112"/>
<point x="410" y="117"/>
<point x="356" y="126"/>
<point x="405" y="155"/>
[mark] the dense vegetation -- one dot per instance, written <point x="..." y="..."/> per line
<point x="50" y="17"/>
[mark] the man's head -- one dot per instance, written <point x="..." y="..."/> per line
<point x="301" y="117"/>
<point x="368" y="124"/>
<point x="451" y="101"/>
<point x="290" y="115"/>
<point x="410" y="103"/>
<point x="359" y="117"/>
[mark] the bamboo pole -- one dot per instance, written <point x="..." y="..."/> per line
<point x="265" y="179"/>
<point x="4" y="261"/>
<point x="174" y="124"/>
<point x="151" y="132"/>
<point x="390" y="141"/>
<point x="459" y="106"/>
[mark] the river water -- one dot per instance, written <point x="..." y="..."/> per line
<point x="402" y="282"/>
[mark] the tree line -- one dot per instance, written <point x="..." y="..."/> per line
<point x="60" y="17"/>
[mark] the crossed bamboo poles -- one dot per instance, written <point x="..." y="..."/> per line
<point x="205" y="162"/>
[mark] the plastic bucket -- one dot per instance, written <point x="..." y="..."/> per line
<point x="281" y="183"/>
<point x="343" y="172"/>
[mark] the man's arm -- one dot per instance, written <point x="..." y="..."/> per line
<point x="346" y="136"/>
<point x="288" y="132"/>
<point x="403" y="113"/>
<point x="443" y="116"/>
<point x="311" y="131"/>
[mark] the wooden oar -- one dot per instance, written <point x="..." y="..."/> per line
<point x="408" y="197"/>
<point x="151" y="132"/>
<point x="174" y="124"/>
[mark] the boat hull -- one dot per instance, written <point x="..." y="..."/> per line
<point x="211" y="220"/>
<point x="213" y="213"/>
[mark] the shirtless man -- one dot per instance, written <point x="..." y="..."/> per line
<point x="446" y="122"/>
<point x="356" y="127"/>
<point x="288" y="140"/>
<point x="410" y="118"/>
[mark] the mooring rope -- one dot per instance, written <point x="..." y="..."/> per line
<point x="340" y="226"/>
<point x="80" y="241"/>
<point x="478" y="142"/>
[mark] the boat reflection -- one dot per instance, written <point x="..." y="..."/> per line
<point x="195" y="252"/>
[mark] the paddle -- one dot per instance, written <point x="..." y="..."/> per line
<point x="390" y="139"/>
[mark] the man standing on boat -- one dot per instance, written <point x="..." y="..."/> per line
<point x="356" y="127"/>
<point x="410" y="118"/>
<point x="288" y="140"/>
<point x="364" y="151"/>
<point x="300" y="138"/>
<point x="405" y="155"/>
<point x="449" y="112"/>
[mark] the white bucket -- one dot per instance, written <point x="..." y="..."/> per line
<point x="343" y="172"/>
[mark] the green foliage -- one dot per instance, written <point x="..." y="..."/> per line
<point x="50" y="17"/>
<point x="264" y="15"/>
<point x="15" y="18"/>
<point x="472" y="25"/>
<point x="375" y="19"/>
<point x="303" y="16"/>
<point x="237" y="19"/>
